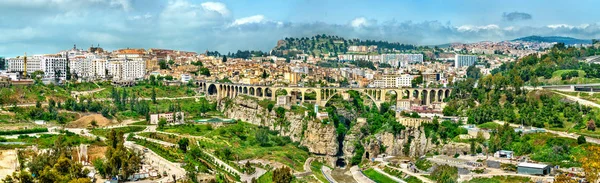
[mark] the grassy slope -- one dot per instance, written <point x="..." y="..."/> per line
<point x="376" y="176"/>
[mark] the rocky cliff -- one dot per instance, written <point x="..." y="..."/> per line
<point x="319" y="138"/>
<point x="410" y="142"/>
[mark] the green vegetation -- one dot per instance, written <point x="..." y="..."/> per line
<point x="169" y="153"/>
<point x="189" y="129"/>
<point x="141" y="123"/>
<point x="326" y="44"/>
<point x="400" y="175"/>
<point x="501" y="179"/>
<point x="24" y="131"/>
<point x="31" y="94"/>
<point x="489" y="125"/>
<point x="245" y="141"/>
<point x="445" y="174"/>
<point x="315" y="167"/>
<point x="118" y="160"/>
<point x="423" y="164"/>
<point x="266" y="178"/>
<point x="376" y="176"/>
<point x="67" y="138"/>
<point x="127" y="129"/>
<point x="54" y="165"/>
<point x="160" y="136"/>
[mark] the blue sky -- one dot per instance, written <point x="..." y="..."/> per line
<point x="48" y="26"/>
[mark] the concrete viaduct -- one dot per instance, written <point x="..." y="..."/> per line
<point x="321" y="95"/>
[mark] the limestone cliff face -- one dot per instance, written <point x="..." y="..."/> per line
<point x="353" y="136"/>
<point x="319" y="138"/>
<point x="418" y="144"/>
<point x="248" y="110"/>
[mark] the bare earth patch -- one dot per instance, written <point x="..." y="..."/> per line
<point x="86" y="121"/>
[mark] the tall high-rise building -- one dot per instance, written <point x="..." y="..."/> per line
<point x="464" y="60"/>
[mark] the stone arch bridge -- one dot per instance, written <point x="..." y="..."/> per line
<point x="322" y="95"/>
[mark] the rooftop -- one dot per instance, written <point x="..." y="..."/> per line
<point x="533" y="165"/>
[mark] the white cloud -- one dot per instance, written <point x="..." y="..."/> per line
<point x="248" y="20"/>
<point x="359" y="22"/>
<point x="567" y="26"/>
<point x="184" y="14"/>
<point x="216" y="6"/>
<point x="140" y="17"/>
<point x="556" y="26"/>
<point x="464" y="28"/>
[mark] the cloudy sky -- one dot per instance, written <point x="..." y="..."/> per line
<point x="48" y="26"/>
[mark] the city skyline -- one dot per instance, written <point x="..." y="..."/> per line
<point x="46" y="26"/>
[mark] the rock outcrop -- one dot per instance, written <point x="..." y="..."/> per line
<point x="248" y="110"/>
<point x="317" y="137"/>
<point x="320" y="139"/>
<point x="412" y="138"/>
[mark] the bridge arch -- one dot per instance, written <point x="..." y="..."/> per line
<point x="268" y="92"/>
<point x="364" y="92"/>
<point x="212" y="90"/>
<point x="310" y="95"/>
<point x="259" y="92"/>
<point x="392" y="93"/>
<point x="280" y="92"/>
<point x="251" y="91"/>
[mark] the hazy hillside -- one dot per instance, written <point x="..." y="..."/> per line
<point x="550" y="39"/>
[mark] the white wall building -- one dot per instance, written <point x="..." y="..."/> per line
<point x="401" y="60"/>
<point x="404" y="80"/>
<point x="17" y="65"/>
<point x="185" y="78"/>
<point x="464" y="60"/>
<point x="125" y="69"/>
<point x="53" y="66"/>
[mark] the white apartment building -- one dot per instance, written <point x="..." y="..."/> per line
<point x="401" y="60"/>
<point x="53" y="66"/>
<point x="464" y="60"/>
<point x="185" y="78"/>
<point x="17" y="64"/>
<point x="99" y="68"/>
<point x="393" y="81"/>
<point x="404" y="80"/>
<point x="126" y="69"/>
<point x="81" y="67"/>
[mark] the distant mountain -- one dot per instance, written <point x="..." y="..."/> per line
<point x="551" y="39"/>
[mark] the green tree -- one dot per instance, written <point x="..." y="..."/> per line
<point x="204" y="71"/>
<point x="162" y="122"/>
<point x="262" y="137"/>
<point x="153" y="95"/>
<point x="283" y="175"/>
<point x="163" y="64"/>
<point x="473" y="72"/>
<point x="581" y="140"/>
<point x="224" y="59"/>
<point x="183" y="144"/>
<point x="416" y="81"/>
